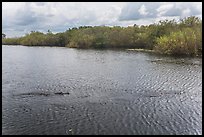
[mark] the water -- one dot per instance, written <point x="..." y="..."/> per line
<point x="47" y="91"/>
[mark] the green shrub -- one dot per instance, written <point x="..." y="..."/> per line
<point x="185" y="42"/>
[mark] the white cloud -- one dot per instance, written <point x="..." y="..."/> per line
<point x="184" y="9"/>
<point x="57" y="16"/>
<point x="143" y="10"/>
<point x="22" y="17"/>
<point x="139" y="10"/>
<point x="164" y="8"/>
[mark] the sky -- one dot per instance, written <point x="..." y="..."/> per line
<point x="19" y="18"/>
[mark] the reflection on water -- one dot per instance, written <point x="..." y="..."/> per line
<point x="68" y="91"/>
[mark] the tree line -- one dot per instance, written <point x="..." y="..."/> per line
<point x="165" y="37"/>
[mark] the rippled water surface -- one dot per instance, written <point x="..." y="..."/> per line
<point x="70" y="91"/>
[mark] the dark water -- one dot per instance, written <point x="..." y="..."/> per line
<point x="68" y="91"/>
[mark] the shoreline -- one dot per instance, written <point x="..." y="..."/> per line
<point x="142" y="50"/>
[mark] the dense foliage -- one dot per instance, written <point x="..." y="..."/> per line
<point x="165" y="37"/>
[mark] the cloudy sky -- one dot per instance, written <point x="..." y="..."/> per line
<point x="22" y="17"/>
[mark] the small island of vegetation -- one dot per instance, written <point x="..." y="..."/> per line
<point x="166" y="37"/>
